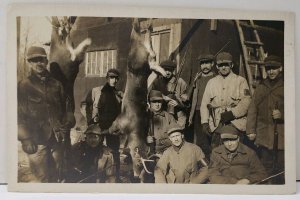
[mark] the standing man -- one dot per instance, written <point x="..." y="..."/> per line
<point x="172" y="89"/>
<point x="265" y="125"/>
<point x="225" y="100"/>
<point x="206" y="62"/>
<point x="45" y="118"/>
<point x="234" y="162"/>
<point x="183" y="162"/>
<point x="160" y="122"/>
<point x="106" y="107"/>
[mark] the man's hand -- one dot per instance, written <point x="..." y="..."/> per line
<point x="251" y="136"/>
<point x="29" y="146"/>
<point x="173" y="103"/>
<point x="276" y="114"/>
<point x="184" y="97"/>
<point x="206" y="129"/>
<point x="243" y="181"/>
<point x="227" y="117"/>
<point x="150" y="139"/>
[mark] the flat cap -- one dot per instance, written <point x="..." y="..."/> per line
<point x="168" y="64"/>
<point x="155" y="95"/>
<point x="175" y="128"/>
<point x="113" y="73"/>
<point x="35" y="52"/>
<point x="224" y="57"/>
<point x="273" y="61"/>
<point x="229" y="132"/>
<point x="93" y="129"/>
<point x="205" y="57"/>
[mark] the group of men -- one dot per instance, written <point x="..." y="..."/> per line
<point x="213" y="131"/>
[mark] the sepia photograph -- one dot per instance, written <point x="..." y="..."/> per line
<point x="141" y="100"/>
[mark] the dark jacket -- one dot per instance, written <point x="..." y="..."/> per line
<point x="91" y="163"/>
<point x="244" y="164"/>
<point x="42" y="107"/>
<point x="260" y="120"/>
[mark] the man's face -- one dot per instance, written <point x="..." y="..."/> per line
<point x="206" y="66"/>
<point x="93" y="140"/>
<point x="156" y="106"/>
<point x="38" y="65"/>
<point x="169" y="73"/>
<point x="224" y="68"/>
<point x="176" y="138"/>
<point x="273" y="72"/>
<point x="112" y="81"/>
<point x="231" y="144"/>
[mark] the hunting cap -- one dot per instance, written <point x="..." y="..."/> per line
<point x="34" y="52"/>
<point x="155" y="95"/>
<point x="175" y="128"/>
<point x="113" y="73"/>
<point x="273" y="61"/>
<point x="205" y="57"/>
<point x="168" y="64"/>
<point x="229" y="132"/>
<point x="224" y="57"/>
<point x="93" y="129"/>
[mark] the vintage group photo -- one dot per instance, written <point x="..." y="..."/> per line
<point x="150" y="100"/>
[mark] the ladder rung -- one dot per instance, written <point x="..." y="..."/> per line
<point x="245" y="24"/>
<point x="253" y="43"/>
<point x="255" y="62"/>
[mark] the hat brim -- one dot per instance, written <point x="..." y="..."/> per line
<point x="223" y="61"/>
<point x="156" y="99"/>
<point x="36" y="56"/>
<point x="113" y="75"/>
<point x="273" y="64"/>
<point x="201" y="60"/>
<point x="229" y="136"/>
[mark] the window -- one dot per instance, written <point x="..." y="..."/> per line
<point x="99" y="62"/>
<point x="161" y="45"/>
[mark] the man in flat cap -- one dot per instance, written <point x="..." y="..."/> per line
<point x="160" y="122"/>
<point x="106" y="106"/>
<point x="183" y="162"/>
<point x="225" y="101"/>
<point x="172" y="89"/>
<point x="91" y="160"/>
<point x="206" y="63"/>
<point x="44" y="119"/>
<point x="234" y="162"/>
<point x="265" y="125"/>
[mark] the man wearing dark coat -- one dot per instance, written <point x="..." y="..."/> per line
<point x="265" y="125"/>
<point x="234" y="162"/>
<point x="45" y="118"/>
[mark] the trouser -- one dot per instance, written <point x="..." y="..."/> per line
<point x="113" y="142"/>
<point x="200" y="138"/>
<point x="266" y="157"/>
<point x="49" y="164"/>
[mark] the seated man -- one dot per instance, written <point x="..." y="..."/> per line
<point x="91" y="160"/>
<point x="233" y="162"/>
<point x="183" y="162"/>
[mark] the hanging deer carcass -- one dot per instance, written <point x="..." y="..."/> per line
<point x="64" y="59"/>
<point x="133" y="120"/>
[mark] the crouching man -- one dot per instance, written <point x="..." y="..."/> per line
<point x="233" y="162"/>
<point x="183" y="162"/>
<point x="91" y="160"/>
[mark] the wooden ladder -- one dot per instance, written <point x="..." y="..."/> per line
<point x="253" y="52"/>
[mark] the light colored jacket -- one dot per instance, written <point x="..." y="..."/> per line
<point x="226" y="94"/>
